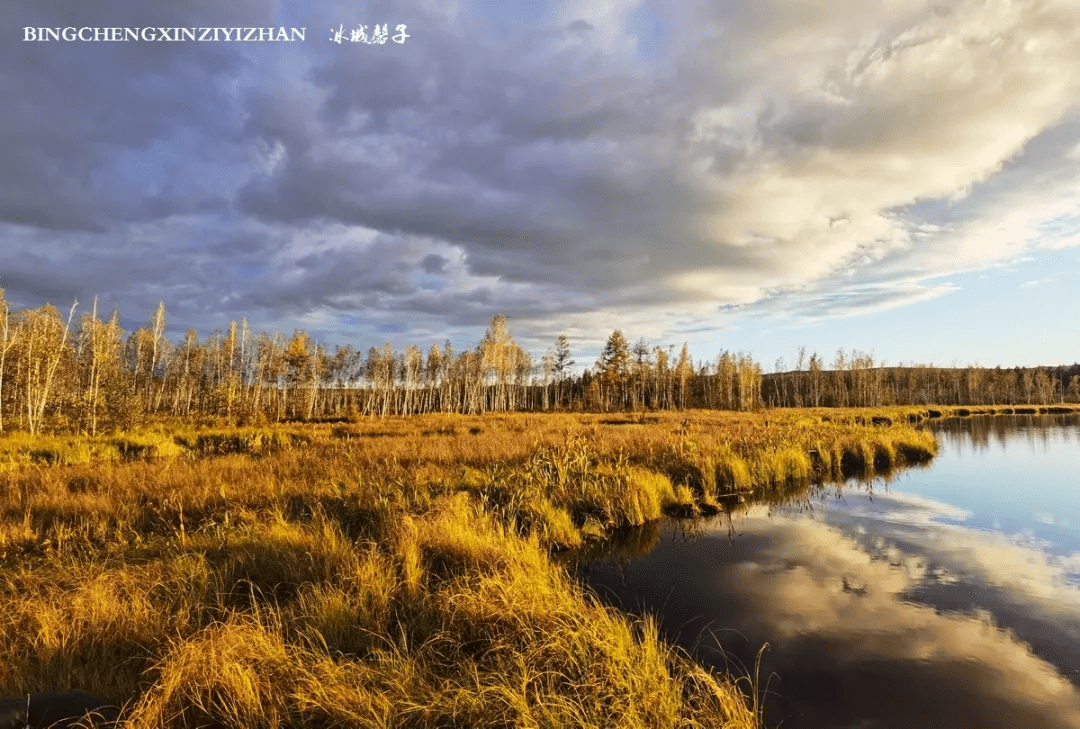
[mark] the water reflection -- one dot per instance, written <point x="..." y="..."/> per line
<point x="899" y="605"/>
<point x="979" y="432"/>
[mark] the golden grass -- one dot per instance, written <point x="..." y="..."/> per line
<point x="380" y="573"/>
<point x="450" y="620"/>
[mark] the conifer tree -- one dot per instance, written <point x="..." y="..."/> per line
<point x="562" y="361"/>
<point x="613" y="370"/>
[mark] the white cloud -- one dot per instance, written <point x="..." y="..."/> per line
<point x="807" y="583"/>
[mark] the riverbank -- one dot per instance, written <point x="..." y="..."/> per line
<point x="908" y="605"/>
<point x="919" y="413"/>
<point x="380" y="573"/>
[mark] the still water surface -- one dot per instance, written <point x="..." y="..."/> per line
<point x="947" y="597"/>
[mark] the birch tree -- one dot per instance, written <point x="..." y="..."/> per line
<point x="8" y="337"/>
<point x="46" y="340"/>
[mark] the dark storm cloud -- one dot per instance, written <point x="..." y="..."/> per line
<point x="433" y="263"/>
<point x="478" y="146"/>
<point x="82" y="120"/>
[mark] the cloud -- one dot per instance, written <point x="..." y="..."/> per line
<point x="100" y="136"/>
<point x="820" y="301"/>
<point x="745" y="155"/>
<point x="1026" y="570"/>
<point x="900" y="507"/>
<point x="839" y="608"/>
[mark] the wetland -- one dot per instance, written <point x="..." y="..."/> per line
<point x="411" y="572"/>
<point x="944" y="595"/>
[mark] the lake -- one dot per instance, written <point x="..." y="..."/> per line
<point x="944" y="596"/>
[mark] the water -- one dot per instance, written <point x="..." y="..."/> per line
<point x="948" y="597"/>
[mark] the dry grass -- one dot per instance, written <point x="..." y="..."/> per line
<point x="383" y="573"/>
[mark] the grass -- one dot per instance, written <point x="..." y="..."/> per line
<point x="384" y="573"/>
<point x="446" y="619"/>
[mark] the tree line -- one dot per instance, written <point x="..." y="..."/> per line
<point x="62" y="371"/>
<point x="855" y="379"/>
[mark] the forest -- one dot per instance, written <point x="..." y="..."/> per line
<point x="82" y="372"/>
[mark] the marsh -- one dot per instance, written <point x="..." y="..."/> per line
<point x="941" y="596"/>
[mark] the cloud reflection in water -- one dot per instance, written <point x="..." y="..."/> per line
<point x="882" y="611"/>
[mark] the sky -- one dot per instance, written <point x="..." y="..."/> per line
<point x="892" y="176"/>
